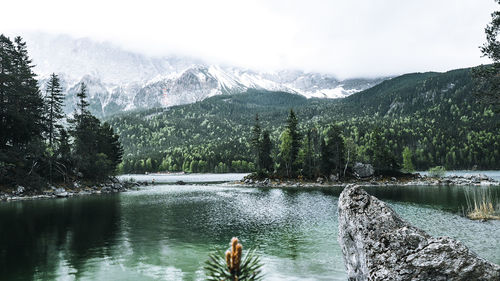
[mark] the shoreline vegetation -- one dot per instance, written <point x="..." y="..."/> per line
<point x="113" y="185"/>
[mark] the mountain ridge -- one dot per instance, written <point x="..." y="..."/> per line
<point x="123" y="80"/>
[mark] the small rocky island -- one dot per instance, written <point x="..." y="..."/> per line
<point x="378" y="245"/>
<point x="364" y="175"/>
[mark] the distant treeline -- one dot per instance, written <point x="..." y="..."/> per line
<point x="429" y="119"/>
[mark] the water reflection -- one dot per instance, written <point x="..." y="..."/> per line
<point x="34" y="235"/>
<point x="449" y="198"/>
<point x="165" y="232"/>
<point x="291" y="229"/>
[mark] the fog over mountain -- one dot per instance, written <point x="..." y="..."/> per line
<point x="122" y="80"/>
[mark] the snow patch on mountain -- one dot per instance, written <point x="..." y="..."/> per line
<point x="337" y="92"/>
<point x="119" y="80"/>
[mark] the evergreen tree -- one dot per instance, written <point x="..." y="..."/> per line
<point x="83" y="127"/>
<point x="63" y="151"/>
<point x="381" y="157"/>
<point x="311" y="151"/>
<point x="85" y="134"/>
<point x="266" y="162"/>
<point x="82" y="104"/>
<point x="325" y="163"/>
<point x="21" y="115"/>
<point x="407" y="162"/>
<point x="491" y="48"/>
<point x="97" y="149"/>
<point x="54" y="100"/>
<point x="488" y="77"/>
<point x="7" y="93"/>
<point x="308" y="156"/>
<point x="295" y="138"/>
<point x="109" y="144"/>
<point x="53" y="104"/>
<point x="194" y="166"/>
<point x="30" y="103"/>
<point x="285" y="154"/>
<point x="21" y="102"/>
<point x="256" y="142"/>
<point x="332" y="152"/>
<point x="63" y="155"/>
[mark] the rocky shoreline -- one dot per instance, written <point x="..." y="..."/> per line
<point x="75" y="189"/>
<point x="407" y="180"/>
<point x="114" y="185"/>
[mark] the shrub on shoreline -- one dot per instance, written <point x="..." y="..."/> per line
<point x="437" y="172"/>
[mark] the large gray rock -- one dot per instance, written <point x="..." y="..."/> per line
<point x="61" y="192"/>
<point x="20" y="189"/>
<point x="363" y="170"/>
<point x="378" y="245"/>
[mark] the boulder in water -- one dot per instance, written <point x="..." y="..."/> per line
<point x="378" y="245"/>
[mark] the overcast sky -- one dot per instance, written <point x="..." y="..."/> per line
<point x="346" y="38"/>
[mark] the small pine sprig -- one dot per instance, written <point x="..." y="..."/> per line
<point x="231" y="266"/>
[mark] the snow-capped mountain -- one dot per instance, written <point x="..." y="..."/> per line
<point x="122" y="80"/>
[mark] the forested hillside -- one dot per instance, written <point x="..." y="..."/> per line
<point x="435" y="116"/>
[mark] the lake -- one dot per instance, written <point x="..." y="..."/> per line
<point x="166" y="231"/>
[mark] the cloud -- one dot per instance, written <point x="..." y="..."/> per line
<point x="346" y="38"/>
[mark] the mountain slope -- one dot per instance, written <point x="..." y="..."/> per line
<point x="434" y="114"/>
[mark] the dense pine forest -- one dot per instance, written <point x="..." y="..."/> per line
<point x="38" y="146"/>
<point x="414" y="121"/>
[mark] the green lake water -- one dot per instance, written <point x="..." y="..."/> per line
<point x="165" y="232"/>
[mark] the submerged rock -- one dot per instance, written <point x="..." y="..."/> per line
<point x="378" y="245"/>
<point x="106" y="189"/>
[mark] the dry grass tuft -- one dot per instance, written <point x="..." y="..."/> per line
<point x="481" y="205"/>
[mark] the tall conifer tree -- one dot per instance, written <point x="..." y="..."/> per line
<point x="332" y="152"/>
<point x="488" y="76"/>
<point x="54" y="100"/>
<point x="266" y="162"/>
<point x="293" y="130"/>
<point x="97" y="148"/>
<point x="256" y="142"/>
<point x="21" y="114"/>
